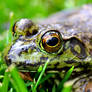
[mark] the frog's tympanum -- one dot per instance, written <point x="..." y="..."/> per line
<point x="64" y="38"/>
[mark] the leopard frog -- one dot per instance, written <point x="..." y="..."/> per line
<point x="64" y="38"/>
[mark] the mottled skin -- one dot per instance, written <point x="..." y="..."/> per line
<point x="74" y="47"/>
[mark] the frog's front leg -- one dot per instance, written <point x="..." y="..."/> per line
<point x="83" y="84"/>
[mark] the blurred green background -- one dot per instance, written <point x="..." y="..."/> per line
<point x="12" y="10"/>
<point x="34" y="8"/>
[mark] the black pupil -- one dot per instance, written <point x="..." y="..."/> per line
<point x="52" y="41"/>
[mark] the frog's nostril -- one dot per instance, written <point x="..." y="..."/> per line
<point x="33" y="32"/>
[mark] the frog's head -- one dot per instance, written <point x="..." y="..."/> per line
<point x="35" y="44"/>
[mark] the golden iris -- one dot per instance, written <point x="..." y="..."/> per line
<point x="51" y="41"/>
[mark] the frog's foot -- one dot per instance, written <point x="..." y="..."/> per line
<point x="25" y="76"/>
<point x="83" y="85"/>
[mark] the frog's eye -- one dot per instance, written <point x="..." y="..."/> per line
<point x="25" y="27"/>
<point x="51" y="41"/>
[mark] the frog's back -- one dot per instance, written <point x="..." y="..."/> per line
<point x="75" y="23"/>
<point x="78" y="15"/>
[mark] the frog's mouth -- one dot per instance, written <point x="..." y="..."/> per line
<point x="78" y="69"/>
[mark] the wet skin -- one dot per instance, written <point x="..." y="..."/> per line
<point x="64" y="38"/>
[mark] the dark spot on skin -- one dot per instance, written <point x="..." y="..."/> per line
<point x="70" y="61"/>
<point x="58" y="69"/>
<point x="26" y="66"/>
<point x="75" y="73"/>
<point x="43" y="58"/>
<point x="34" y="32"/>
<point x="56" y="64"/>
<point x="28" y="33"/>
<point x="53" y="59"/>
<point x="60" y="53"/>
<point x="82" y="53"/>
<point x="31" y="34"/>
<point x="22" y="48"/>
<point x="29" y="64"/>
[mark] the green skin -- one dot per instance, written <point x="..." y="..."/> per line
<point x="75" y="49"/>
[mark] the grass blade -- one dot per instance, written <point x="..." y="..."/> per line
<point x="38" y="81"/>
<point x="65" y="79"/>
<point x="67" y="89"/>
<point x="5" y="83"/>
<point x="16" y="80"/>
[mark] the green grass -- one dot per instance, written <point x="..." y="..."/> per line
<point x="12" y="75"/>
<point x="12" y="10"/>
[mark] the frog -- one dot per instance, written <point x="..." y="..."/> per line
<point x="64" y="38"/>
